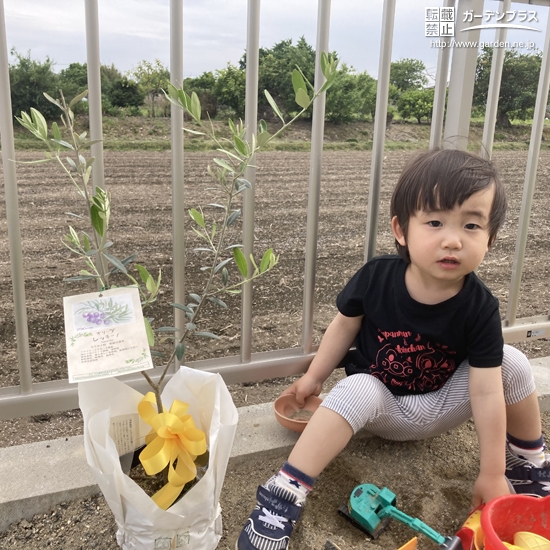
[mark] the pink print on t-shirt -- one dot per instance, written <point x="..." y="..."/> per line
<point x="412" y="363"/>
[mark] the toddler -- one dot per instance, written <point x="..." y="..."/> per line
<point x="429" y="349"/>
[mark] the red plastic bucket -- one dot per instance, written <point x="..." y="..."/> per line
<point x="504" y="516"/>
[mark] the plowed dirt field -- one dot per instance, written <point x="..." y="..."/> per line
<point x="141" y="224"/>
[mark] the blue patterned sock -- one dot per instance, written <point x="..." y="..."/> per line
<point x="293" y="481"/>
<point x="533" y="451"/>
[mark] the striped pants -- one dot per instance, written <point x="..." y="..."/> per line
<point x="365" y="402"/>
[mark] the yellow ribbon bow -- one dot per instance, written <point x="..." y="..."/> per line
<point x="174" y="437"/>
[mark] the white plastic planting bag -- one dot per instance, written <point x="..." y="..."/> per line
<point x="194" y="522"/>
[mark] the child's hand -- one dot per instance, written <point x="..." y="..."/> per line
<point x="304" y="387"/>
<point x="488" y="487"/>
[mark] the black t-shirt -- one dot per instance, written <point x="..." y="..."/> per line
<point x="413" y="347"/>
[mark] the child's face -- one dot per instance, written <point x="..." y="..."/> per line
<point x="446" y="245"/>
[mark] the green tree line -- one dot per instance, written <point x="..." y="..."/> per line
<point x="222" y="92"/>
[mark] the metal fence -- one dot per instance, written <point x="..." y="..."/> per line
<point x="34" y="398"/>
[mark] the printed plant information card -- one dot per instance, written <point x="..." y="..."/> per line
<point x="105" y="334"/>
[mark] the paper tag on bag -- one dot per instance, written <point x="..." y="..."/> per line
<point x="105" y="334"/>
<point x="125" y="433"/>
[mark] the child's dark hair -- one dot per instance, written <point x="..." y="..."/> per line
<point x="440" y="179"/>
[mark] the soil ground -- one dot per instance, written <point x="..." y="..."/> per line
<point x="432" y="479"/>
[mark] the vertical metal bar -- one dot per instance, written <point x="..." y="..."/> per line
<point x="317" y="135"/>
<point x="440" y="91"/>
<point x="178" y="189"/>
<point x="494" y="89"/>
<point x="94" y="91"/>
<point x="461" y="85"/>
<point x="251" y="123"/>
<point x="12" y="214"/>
<point x="379" y="134"/>
<point x="530" y="178"/>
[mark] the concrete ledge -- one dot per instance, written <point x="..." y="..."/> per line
<point x="36" y="477"/>
<point x="259" y="432"/>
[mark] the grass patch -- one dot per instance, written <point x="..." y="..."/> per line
<point x="137" y="145"/>
<point x="288" y="146"/>
<point x="199" y="145"/>
<point x="27" y="143"/>
<point x="406" y="145"/>
<point x="514" y="146"/>
<point x="153" y="134"/>
<point x="31" y="144"/>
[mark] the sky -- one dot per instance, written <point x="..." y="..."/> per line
<point x="215" y="30"/>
